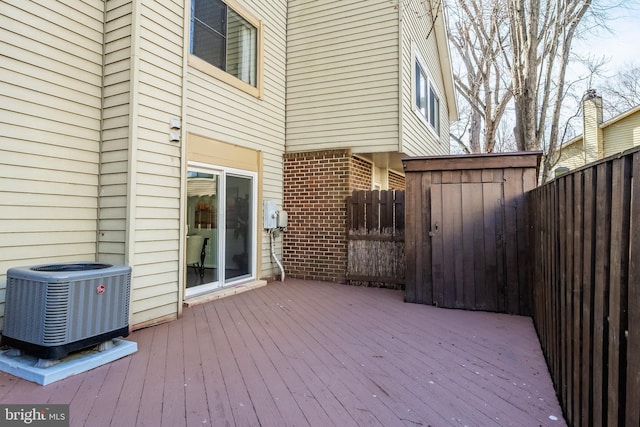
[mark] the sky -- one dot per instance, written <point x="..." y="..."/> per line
<point x="622" y="45"/>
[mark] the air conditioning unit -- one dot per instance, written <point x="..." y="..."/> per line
<point x="55" y="309"/>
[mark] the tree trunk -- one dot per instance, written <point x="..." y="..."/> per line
<point x="475" y="132"/>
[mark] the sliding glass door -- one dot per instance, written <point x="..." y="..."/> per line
<point x="220" y="217"/>
<point x="239" y="233"/>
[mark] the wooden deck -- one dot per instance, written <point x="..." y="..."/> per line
<point x="311" y="353"/>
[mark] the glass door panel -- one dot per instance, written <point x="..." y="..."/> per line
<point x="202" y="245"/>
<point x="221" y="233"/>
<point x="239" y="227"/>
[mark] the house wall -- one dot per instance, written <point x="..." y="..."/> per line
<point x="316" y="187"/>
<point x="117" y="125"/>
<point x="153" y="187"/>
<point x="50" y="100"/>
<point x="88" y="168"/>
<point x="571" y="156"/>
<point x="380" y="177"/>
<point x="616" y="136"/>
<point x="361" y="174"/>
<point x="119" y="201"/>
<point x="175" y="85"/>
<point x="342" y="75"/>
<point x="221" y="112"/>
<point x="622" y="134"/>
<point x="418" y="35"/>
<point x="396" y="181"/>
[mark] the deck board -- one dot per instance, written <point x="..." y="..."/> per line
<point x="173" y="401"/>
<point x="206" y="393"/>
<point x="320" y="354"/>
<point x="103" y="406"/>
<point x="128" y="400"/>
<point x="85" y="397"/>
<point x="306" y="377"/>
<point x="250" y="328"/>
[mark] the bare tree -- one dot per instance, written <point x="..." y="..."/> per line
<point x="569" y="124"/>
<point x="541" y="37"/>
<point x="514" y="51"/>
<point x="478" y="32"/>
<point x="621" y="91"/>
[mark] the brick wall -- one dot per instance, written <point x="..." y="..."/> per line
<point x="361" y="176"/>
<point x="396" y="181"/>
<point x="316" y="185"/>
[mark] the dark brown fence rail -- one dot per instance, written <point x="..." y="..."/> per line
<point x="375" y="233"/>
<point x="585" y="266"/>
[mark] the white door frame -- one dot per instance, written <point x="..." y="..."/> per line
<point x="222" y="172"/>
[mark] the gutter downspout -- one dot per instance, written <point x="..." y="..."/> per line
<point x="186" y="22"/>
<point x="101" y="142"/>
<point x="400" y="82"/>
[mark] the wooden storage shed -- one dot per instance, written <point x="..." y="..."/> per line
<point x="466" y="230"/>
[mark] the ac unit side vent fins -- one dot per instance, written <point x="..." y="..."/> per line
<point x="55" y="318"/>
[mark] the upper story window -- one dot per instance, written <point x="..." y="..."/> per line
<point x="434" y="110"/>
<point x="227" y="37"/>
<point x="427" y="102"/>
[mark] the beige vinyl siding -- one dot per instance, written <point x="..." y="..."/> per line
<point x="417" y="137"/>
<point x="342" y="75"/>
<point x="622" y="135"/>
<point x="571" y="156"/>
<point x="222" y="112"/>
<point x="115" y="137"/>
<point x="50" y="99"/>
<point x="153" y="217"/>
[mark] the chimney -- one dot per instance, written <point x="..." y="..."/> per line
<point x="592" y="133"/>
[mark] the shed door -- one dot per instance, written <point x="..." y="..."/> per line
<point x="468" y="245"/>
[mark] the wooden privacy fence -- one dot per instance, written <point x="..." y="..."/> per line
<point x="467" y="230"/>
<point x="375" y="234"/>
<point x="586" y="293"/>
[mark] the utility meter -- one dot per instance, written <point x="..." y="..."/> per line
<point x="270" y="214"/>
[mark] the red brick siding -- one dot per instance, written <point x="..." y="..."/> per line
<point x="396" y="181"/>
<point x="316" y="185"/>
<point x="361" y="174"/>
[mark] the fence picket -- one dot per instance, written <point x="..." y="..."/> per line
<point x="588" y="273"/>
<point x="577" y="203"/>
<point x="633" y="339"/>
<point x="375" y="244"/>
<point x="586" y="296"/>
<point x="620" y="206"/>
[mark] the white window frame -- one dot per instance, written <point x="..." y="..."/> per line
<point x="430" y="87"/>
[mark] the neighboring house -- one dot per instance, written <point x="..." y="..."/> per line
<point x="137" y="130"/>
<point x="600" y="139"/>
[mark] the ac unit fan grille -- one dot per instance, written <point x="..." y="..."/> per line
<point x="80" y="266"/>
<point x="56" y="309"/>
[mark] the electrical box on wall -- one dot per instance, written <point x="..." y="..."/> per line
<point x="283" y="218"/>
<point x="272" y="218"/>
<point x="270" y="214"/>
